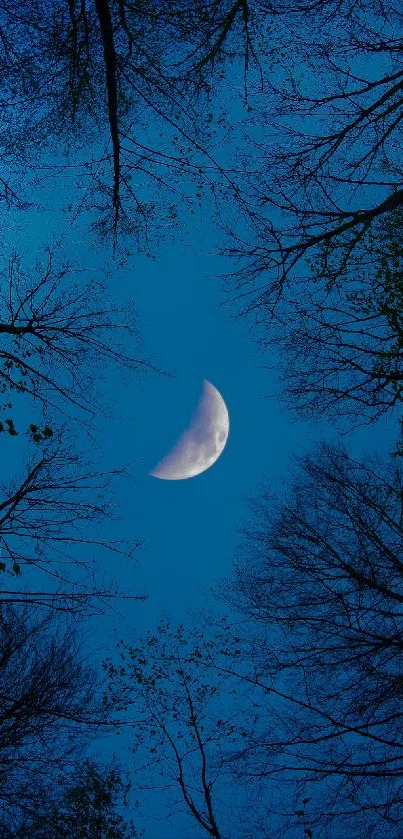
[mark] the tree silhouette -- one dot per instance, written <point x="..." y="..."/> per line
<point x="57" y="338"/>
<point x="341" y="339"/>
<point x="320" y="577"/>
<point x="84" y="805"/>
<point x="187" y="730"/>
<point x="326" y="165"/>
<point x="53" y="520"/>
<point x="49" y="705"/>
<point x="57" y="334"/>
<point x="138" y="77"/>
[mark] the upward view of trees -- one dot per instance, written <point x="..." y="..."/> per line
<point x="342" y="341"/>
<point x="319" y="249"/>
<point x="335" y="548"/>
<point x="283" y="121"/>
<point x="140" y="76"/>
<point x="337" y="169"/>
<point x="57" y="332"/>
<point x="57" y="335"/>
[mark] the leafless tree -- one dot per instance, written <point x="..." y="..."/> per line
<point x="326" y="162"/>
<point x="126" y="73"/>
<point x="59" y="334"/>
<point x="320" y="579"/>
<point x="55" y="529"/>
<point x="55" y="347"/>
<point x="341" y="342"/>
<point x="49" y="705"/>
<point x="186" y="729"/>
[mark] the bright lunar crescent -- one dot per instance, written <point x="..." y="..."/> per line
<point x="202" y="443"/>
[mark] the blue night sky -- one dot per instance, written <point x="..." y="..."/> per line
<point x="188" y="328"/>
<point x="189" y="527"/>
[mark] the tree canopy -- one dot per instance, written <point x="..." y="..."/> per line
<point x="83" y="805"/>
<point x="283" y="121"/>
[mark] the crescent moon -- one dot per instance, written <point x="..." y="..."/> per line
<point x="202" y="443"/>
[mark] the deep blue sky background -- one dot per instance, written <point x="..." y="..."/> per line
<point x="188" y="527"/>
